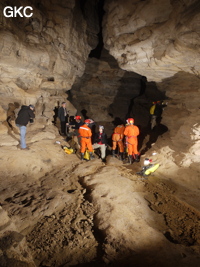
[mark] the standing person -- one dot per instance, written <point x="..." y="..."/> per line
<point x="86" y="134"/>
<point x="131" y="132"/>
<point x="100" y="141"/>
<point x="63" y="117"/>
<point x="117" y="140"/>
<point x="156" y="111"/>
<point x="24" y="116"/>
<point x="78" y="124"/>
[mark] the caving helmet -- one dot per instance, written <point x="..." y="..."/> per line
<point x="130" y="120"/>
<point x="77" y="117"/>
<point x="88" y="121"/>
<point x="147" y="161"/>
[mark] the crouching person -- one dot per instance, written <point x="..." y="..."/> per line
<point x="85" y="135"/>
<point x="101" y="142"/>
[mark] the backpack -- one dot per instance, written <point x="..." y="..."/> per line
<point x="68" y="150"/>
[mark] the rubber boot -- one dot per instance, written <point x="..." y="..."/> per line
<point x="104" y="160"/>
<point x="137" y="158"/>
<point x="113" y="153"/>
<point x="130" y="158"/>
<point x="82" y="156"/>
<point x="121" y="156"/>
<point x="91" y="156"/>
<point x="124" y="156"/>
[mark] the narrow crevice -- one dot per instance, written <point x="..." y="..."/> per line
<point x="97" y="51"/>
<point x="98" y="234"/>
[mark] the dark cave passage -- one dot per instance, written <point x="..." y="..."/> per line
<point x="96" y="52"/>
<point x="105" y="93"/>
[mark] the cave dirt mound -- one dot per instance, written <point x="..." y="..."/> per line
<point x="57" y="210"/>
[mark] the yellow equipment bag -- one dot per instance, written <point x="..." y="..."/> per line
<point x="87" y="155"/>
<point x="152" y="109"/>
<point x="68" y="150"/>
<point x="152" y="169"/>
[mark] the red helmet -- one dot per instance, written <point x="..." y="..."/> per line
<point x="77" y="117"/>
<point x="130" y="120"/>
<point x="88" y="121"/>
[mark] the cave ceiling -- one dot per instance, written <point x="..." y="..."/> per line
<point x="156" y="38"/>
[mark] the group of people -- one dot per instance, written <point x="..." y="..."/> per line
<point x="124" y="137"/>
<point x="100" y="140"/>
<point x="81" y="132"/>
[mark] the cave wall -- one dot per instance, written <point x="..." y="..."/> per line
<point x="30" y="76"/>
<point x="155" y="38"/>
<point x="108" y="94"/>
<point x="45" y="56"/>
<point x="104" y="92"/>
<point x="160" y="40"/>
<point x="42" y="55"/>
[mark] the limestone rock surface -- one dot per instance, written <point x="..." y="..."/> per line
<point x="42" y="55"/>
<point x="7" y="140"/>
<point x="105" y="91"/>
<point x="155" y="38"/>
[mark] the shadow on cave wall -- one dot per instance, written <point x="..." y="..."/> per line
<point x="133" y="96"/>
<point x="182" y="91"/>
<point x="186" y="86"/>
<point x="12" y="112"/>
<point x="137" y="105"/>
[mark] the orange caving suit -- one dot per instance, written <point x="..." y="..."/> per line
<point x="132" y="131"/>
<point x="85" y="134"/>
<point x="117" y="138"/>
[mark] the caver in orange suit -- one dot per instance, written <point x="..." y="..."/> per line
<point x="132" y="131"/>
<point x="85" y="134"/>
<point x="117" y="138"/>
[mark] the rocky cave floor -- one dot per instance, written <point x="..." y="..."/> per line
<point x="59" y="211"/>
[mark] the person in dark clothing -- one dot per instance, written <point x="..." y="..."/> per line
<point x="25" y="115"/>
<point x="156" y="113"/>
<point x="63" y="117"/>
<point x="78" y="122"/>
<point x="100" y="141"/>
<point x="74" y="126"/>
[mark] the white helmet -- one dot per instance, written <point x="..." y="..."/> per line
<point x="147" y="161"/>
